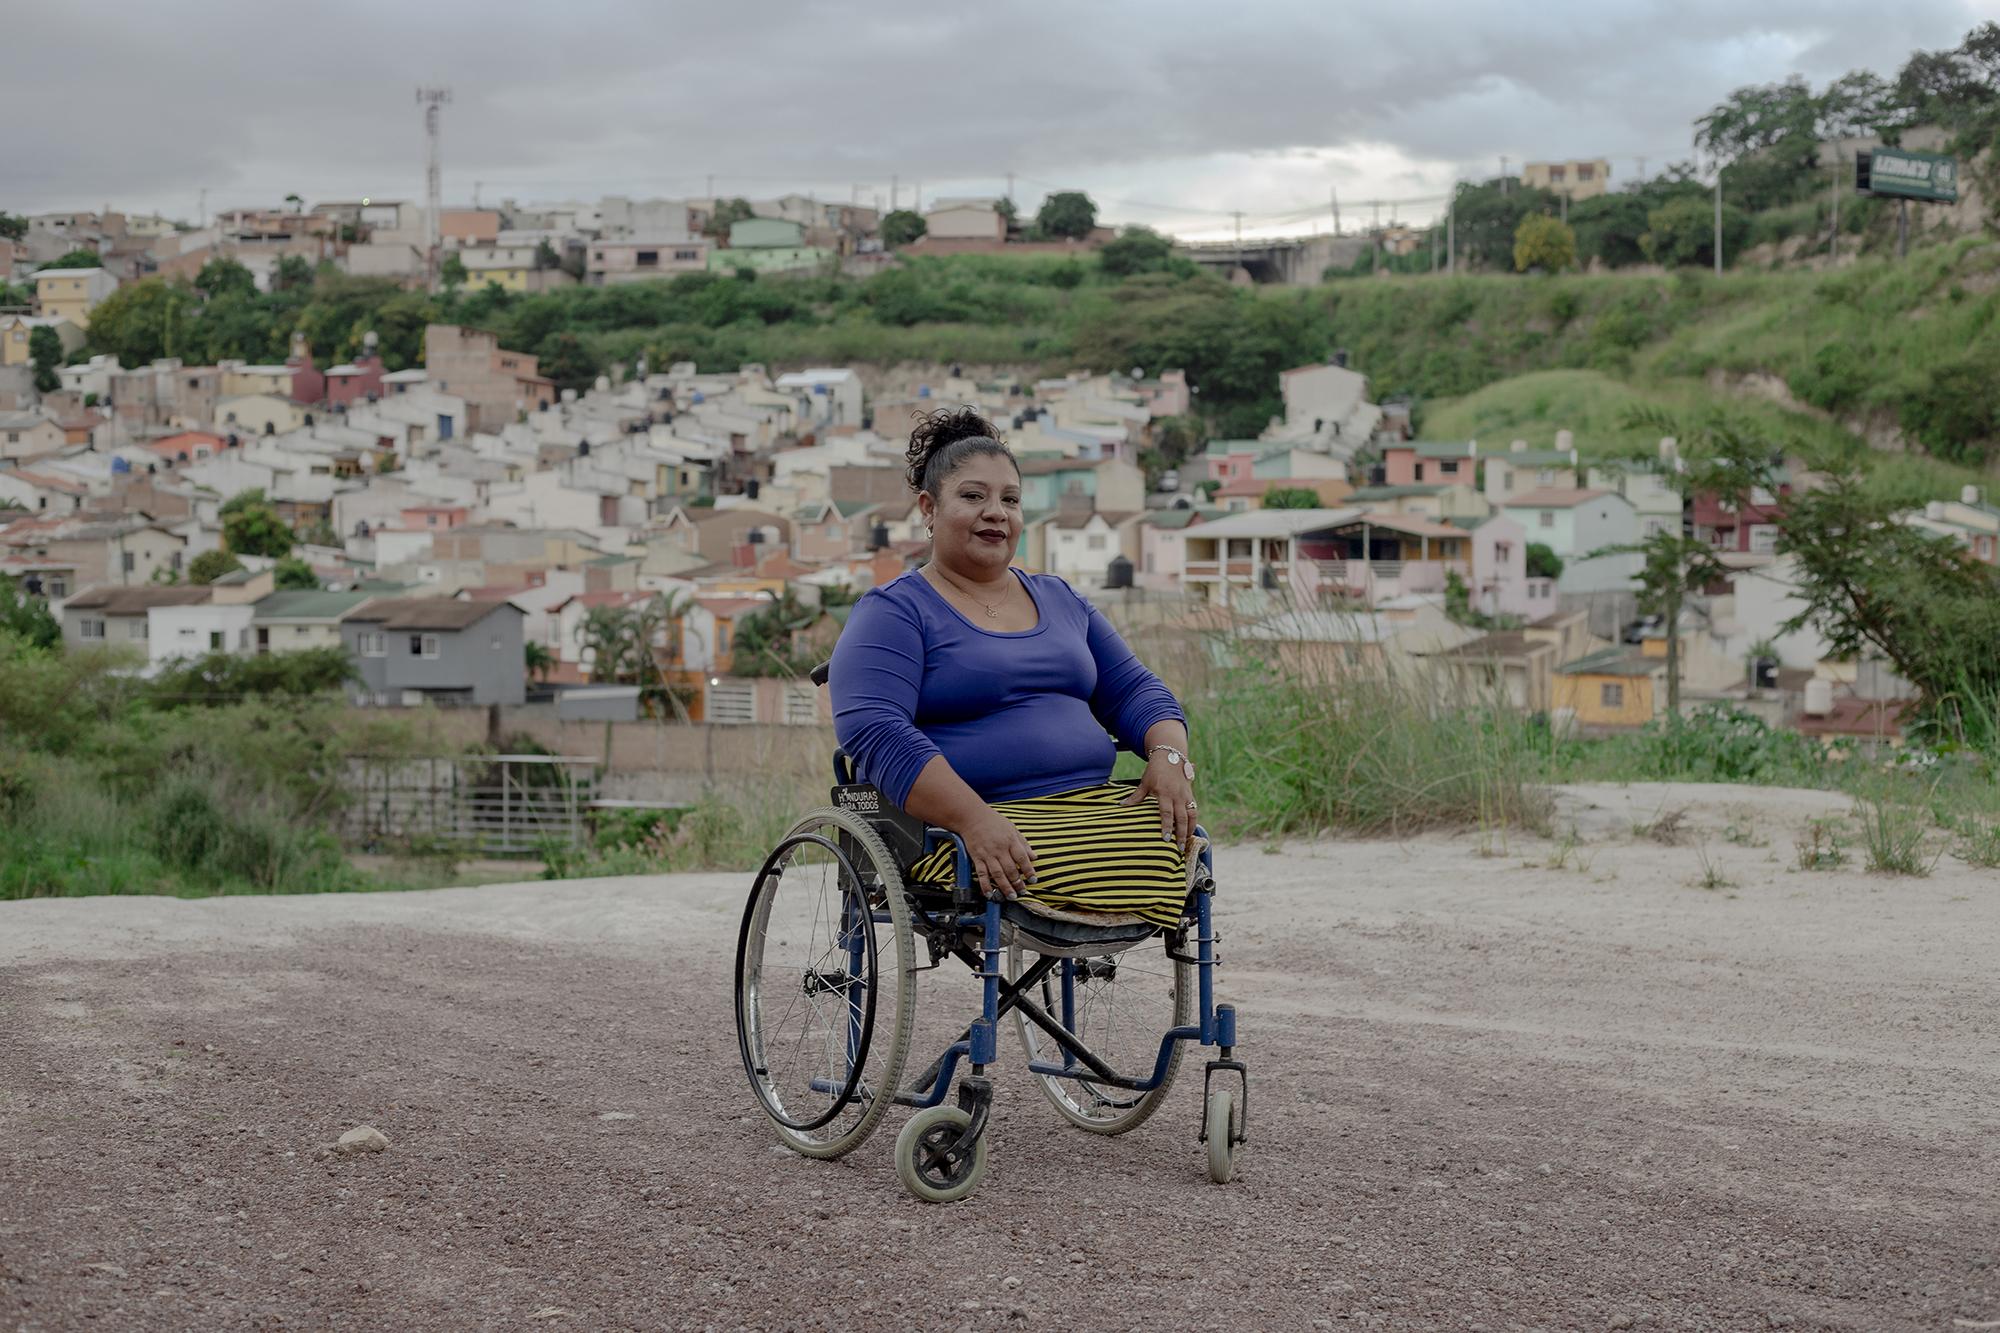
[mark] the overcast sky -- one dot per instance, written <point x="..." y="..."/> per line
<point x="1169" y="112"/>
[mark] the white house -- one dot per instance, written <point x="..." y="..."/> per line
<point x="1326" y="409"/>
<point x="175" y="632"/>
<point x="1081" y="546"/>
<point x="1573" y="523"/>
<point x="840" y="388"/>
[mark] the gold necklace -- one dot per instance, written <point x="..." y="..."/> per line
<point x="992" y="609"/>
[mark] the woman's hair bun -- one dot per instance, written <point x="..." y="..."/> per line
<point x="943" y="439"/>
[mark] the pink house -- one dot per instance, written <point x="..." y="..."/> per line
<point x="1423" y="464"/>
<point x="352" y="382"/>
<point x="1750" y="528"/>
<point x="1500" y="585"/>
<point x="1232" y="460"/>
<point x="434" y="517"/>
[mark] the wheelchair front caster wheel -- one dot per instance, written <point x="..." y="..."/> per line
<point x="1219" y="1128"/>
<point x="932" y="1161"/>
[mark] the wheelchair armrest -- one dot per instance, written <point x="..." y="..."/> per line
<point x="820" y="672"/>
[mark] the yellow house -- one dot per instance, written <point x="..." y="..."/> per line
<point x="259" y="414"/>
<point x="239" y="379"/>
<point x="72" y="293"/>
<point x="1616" y="687"/>
<point x="18" y="331"/>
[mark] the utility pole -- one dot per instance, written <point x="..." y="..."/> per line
<point x="1503" y="173"/>
<point x="1833" y="241"/>
<point x="1902" y="227"/>
<point x="475" y="193"/>
<point x="433" y="101"/>
<point x="893" y="188"/>
<point x="1564" y="206"/>
<point x="1451" y="231"/>
<point x="1641" y="178"/>
<point x="1434" y="248"/>
<point x="1718" y="218"/>
<point x="1335" y="195"/>
<point x="1375" y="233"/>
<point x="1238" y="215"/>
<point x="204" y="206"/>
<point x="1010" y="186"/>
<point x="711" y="187"/>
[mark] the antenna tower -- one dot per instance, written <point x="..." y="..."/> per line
<point x="432" y="100"/>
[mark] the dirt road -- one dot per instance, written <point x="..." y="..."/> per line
<point x="1532" y="1086"/>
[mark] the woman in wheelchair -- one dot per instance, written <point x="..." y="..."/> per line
<point x="976" y="708"/>
<point x="978" y="698"/>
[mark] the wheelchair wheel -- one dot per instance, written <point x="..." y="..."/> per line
<point x="825" y="984"/>
<point x="925" y="1164"/>
<point x="1219" y="1128"/>
<point x="1119" y="1007"/>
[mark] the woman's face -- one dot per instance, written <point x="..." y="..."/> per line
<point x="976" y="519"/>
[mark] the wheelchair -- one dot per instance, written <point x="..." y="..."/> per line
<point x="826" y="979"/>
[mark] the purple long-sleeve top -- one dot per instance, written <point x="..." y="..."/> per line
<point x="1015" y="714"/>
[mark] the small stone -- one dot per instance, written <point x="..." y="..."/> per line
<point x="1076" y="1256"/>
<point x="616" y="1115"/>
<point x="1621" y="1321"/>
<point x="112" y="1269"/>
<point x="362" y="1138"/>
<point x="1546" y="1169"/>
<point x="1010" y="1282"/>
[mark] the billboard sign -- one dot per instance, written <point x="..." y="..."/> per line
<point x="1908" y="174"/>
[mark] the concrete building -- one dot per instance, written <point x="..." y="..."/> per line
<point x="1575" y="523"/>
<point x="29" y="435"/>
<point x="105" y="617"/>
<point x="613" y="262"/>
<point x="414" y="650"/>
<point x="72" y="293"/>
<point x="965" y="220"/>
<point x="1584" y="178"/>
<point x="496" y="385"/>
<point x="17" y="333"/>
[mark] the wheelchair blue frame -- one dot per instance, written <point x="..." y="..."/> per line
<point x="979" y="1044"/>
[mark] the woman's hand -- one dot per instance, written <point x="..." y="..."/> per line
<point x="1003" y="865"/>
<point x="1175" y="792"/>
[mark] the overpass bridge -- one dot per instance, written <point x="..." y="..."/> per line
<point x="1296" y="261"/>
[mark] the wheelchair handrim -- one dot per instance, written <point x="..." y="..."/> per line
<point x="851" y="889"/>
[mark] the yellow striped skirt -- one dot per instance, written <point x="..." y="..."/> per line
<point x="1092" y="854"/>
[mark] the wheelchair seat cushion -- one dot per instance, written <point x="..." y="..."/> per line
<point x="1068" y="934"/>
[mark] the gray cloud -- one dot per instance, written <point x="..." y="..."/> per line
<point x="1259" y="106"/>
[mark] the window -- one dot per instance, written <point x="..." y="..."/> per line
<point x="423" y="645"/>
<point x="126" y="561"/>
<point x="57" y="588"/>
<point x="430" y="520"/>
<point x="1503" y="551"/>
<point x="1555" y="175"/>
<point x="1449" y="467"/>
<point x="1764" y="538"/>
<point x="647" y="259"/>
<point x="138" y="629"/>
<point x="1548" y="519"/>
<point x="372" y="644"/>
<point x="90" y="628"/>
<point x="1611" y="696"/>
<point x="215" y="641"/>
<point x="1095" y="542"/>
<point x="687" y="256"/>
<point x="1545" y="477"/>
<point x="1585" y="171"/>
<point x="721" y="637"/>
<point x="801" y="704"/>
<point x="1420" y="472"/>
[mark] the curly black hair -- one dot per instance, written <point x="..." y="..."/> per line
<point x="944" y="438"/>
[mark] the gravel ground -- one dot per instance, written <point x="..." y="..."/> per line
<point x="1530" y="1085"/>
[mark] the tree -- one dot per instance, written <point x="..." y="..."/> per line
<point x="537" y="660"/>
<point x="27" y="616"/>
<point x="77" y="259"/>
<point x="46" y="351"/>
<point x="1005" y="208"/>
<point x="1543" y="562"/>
<point x="567" y="361"/>
<point x="762" y="644"/>
<point x="223" y="277"/>
<point x="149" y="319"/>
<point x="1136" y="250"/>
<point x="1485" y="218"/>
<point x="728" y="212"/>
<point x="292" y="273"/>
<point x="1682" y="232"/>
<point x="1291" y="497"/>
<point x="250" y="526"/>
<point x="452" y="272"/>
<point x="294" y="574"/>
<point x="902" y="227"/>
<point x="1066" y="213"/>
<point x="298" y="204"/>
<point x="546" y="256"/>
<point x="1544" y="244"/>
<point x="13" y="227"/>
<point x="209" y="566"/>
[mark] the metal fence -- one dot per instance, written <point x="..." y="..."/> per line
<point x="495" y="804"/>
